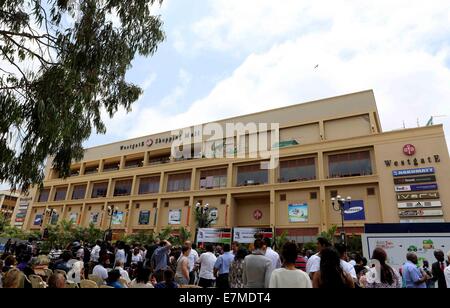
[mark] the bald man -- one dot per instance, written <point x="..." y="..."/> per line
<point x="56" y="281"/>
<point x="414" y="277"/>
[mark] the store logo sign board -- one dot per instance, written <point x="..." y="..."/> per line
<point x="416" y="187"/>
<point x="419" y="204"/>
<point x="417" y="196"/>
<point x="420" y="213"/>
<point x="417" y="179"/>
<point x="429" y="170"/>
<point x="355" y="210"/>
<point x="422" y="220"/>
<point x="409" y="150"/>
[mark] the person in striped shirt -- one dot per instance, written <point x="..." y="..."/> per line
<point x="300" y="262"/>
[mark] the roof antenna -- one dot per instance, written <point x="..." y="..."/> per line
<point x="404" y="125"/>
<point x="418" y="124"/>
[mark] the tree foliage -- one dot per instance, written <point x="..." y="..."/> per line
<point x="330" y="234"/>
<point x="62" y="63"/>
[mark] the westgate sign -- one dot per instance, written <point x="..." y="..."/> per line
<point x="416" y="196"/>
<point x="413" y="162"/>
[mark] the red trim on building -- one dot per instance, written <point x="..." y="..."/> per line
<point x="298" y="231"/>
<point x="351" y="230"/>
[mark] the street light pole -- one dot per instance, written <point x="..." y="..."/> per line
<point x="339" y="204"/>
<point x="111" y="213"/>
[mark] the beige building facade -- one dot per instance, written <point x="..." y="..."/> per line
<point x="329" y="147"/>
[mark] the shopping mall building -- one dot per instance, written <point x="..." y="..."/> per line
<point x="326" y="148"/>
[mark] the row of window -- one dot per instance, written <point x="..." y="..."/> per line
<point x="302" y="169"/>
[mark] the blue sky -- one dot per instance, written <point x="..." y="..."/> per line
<point x="225" y="58"/>
<point x="228" y="57"/>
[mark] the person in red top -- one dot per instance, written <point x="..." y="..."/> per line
<point x="300" y="262"/>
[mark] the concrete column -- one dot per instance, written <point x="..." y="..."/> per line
<point x="162" y="187"/>
<point x="109" y="192"/>
<point x="320" y="166"/>
<point x="133" y="186"/>
<point x="128" y="217"/>
<point x="323" y="209"/>
<point x="230" y="209"/>
<point x="272" y="209"/>
<point x="230" y="175"/>
<point x="146" y="157"/>
<point x="193" y="180"/>
<point x="101" y="164"/>
<point x="158" y="217"/>
<point x="82" y="168"/>
<point x="82" y="214"/>
<point x="122" y="162"/>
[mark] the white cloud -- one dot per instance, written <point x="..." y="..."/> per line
<point x="396" y="48"/>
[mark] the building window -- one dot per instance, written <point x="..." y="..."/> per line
<point x="149" y="185"/>
<point x="60" y="194"/>
<point x="333" y="193"/>
<point x="179" y="182"/>
<point x="91" y="170"/>
<point x="79" y="192"/>
<point x="111" y="167"/>
<point x="210" y="179"/>
<point x="371" y="191"/>
<point x="99" y="190"/>
<point x="313" y="195"/>
<point x="133" y="163"/>
<point x="350" y="164"/>
<point x="74" y="172"/>
<point x="252" y="175"/>
<point x="157" y="160"/>
<point x="123" y="188"/>
<point x="43" y="195"/>
<point x="298" y="170"/>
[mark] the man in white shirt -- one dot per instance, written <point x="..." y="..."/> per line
<point x="120" y="253"/>
<point x="207" y="261"/>
<point x="123" y="273"/>
<point x="346" y="266"/>
<point x="95" y="252"/>
<point x="100" y="269"/>
<point x="193" y="259"/>
<point x="313" y="264"/>
<point x="447" y="272"/>
<point x="271" y="254"/>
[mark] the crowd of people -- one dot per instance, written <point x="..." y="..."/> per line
<point x="162" y="265"/>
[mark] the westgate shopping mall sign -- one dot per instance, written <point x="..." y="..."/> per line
<point x="410" y="150"/>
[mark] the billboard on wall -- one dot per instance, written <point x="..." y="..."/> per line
<point x="144" y="217"/>
<point x="419" y="204"/>
<point x="175" y="217"/>
<point x="420" y="213"/>
<point x="417" y="179"/>
<point x="423" y="187"/>
<point x="397" y="245"/>
<point x="298" y="212"/>
<point x="417" y="196"/>
<point x="214" y="235"/>
<point x="417" y="171"/>
<point x="247" y="235"/>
